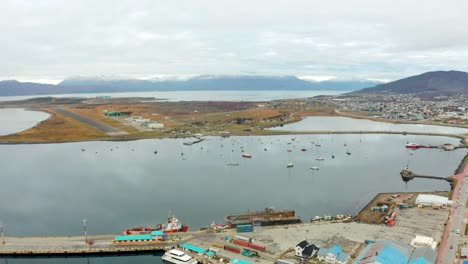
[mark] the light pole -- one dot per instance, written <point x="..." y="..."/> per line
<point x="3" y="236"/>
<point x="85" y="231"/>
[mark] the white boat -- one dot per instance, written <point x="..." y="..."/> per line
<point x="320" y="158"/>
<point x="290" y="165"/>
<point x="175" y="256"/>
<point x="314" y="168"/>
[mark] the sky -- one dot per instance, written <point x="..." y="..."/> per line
<point x="49" y="40"/>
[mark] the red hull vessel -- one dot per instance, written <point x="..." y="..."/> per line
<point x="172" y="226"/>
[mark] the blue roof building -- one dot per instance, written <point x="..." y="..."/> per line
<point x="331" y="254"/>
<point x="384" y="252"/>
<point x="193" y="248"/>
<point x="342" y="258"/>
<point x="423" y="255"/>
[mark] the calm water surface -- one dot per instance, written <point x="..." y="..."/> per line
<point x="336" y="123"/>
<point x="175" y="96"/>
<point x="47" y="189"/>
<point x="14" y="120"/>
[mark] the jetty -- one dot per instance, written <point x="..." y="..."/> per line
<point x="77" y="246"/>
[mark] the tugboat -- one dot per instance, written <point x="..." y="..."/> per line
<point x="172" y="226"/>
<point x="175" y="256"/>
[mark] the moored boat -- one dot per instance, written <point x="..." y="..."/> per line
<point x="412" y="146"/>
<point x="175" y="256"/>
<point x="172" y="226"/>
<point x="245" y="155"/>
<point x="290" y="165"/>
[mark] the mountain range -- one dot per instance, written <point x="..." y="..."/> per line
<point x="198" y="83"/>
<point x="427" y="84"/>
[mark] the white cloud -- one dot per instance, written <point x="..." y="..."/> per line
<point x="385" y="39"/>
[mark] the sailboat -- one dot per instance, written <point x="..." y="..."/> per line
<point x="231" y="163"/>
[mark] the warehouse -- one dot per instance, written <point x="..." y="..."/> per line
<point x="433" y="200"/>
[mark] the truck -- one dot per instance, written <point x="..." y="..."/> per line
<point x="249" y="253"/>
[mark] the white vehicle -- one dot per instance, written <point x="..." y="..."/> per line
<point x="175" y="256"/>
<point x="458" y="231"/>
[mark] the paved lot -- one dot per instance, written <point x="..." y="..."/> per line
<point x="99" y="126"/>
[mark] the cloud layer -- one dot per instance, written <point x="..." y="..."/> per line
<point x="387" y="39"/>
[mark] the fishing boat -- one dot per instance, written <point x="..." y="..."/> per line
<point x="290" y="165"/>
<point x="245" y="155"/>
<point x="175" y="256"/>
<point x="172" y="226"/>
<point x="412" y="146"/>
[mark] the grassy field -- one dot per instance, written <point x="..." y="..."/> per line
<point x="57" y="128"/>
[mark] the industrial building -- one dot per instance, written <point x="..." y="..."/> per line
<point x="384" y="252"/>
<point x="393" y="252"/>
<point x="423" y="255"/>
<point x="114" y="113"/>
<point x="433" y="200"/>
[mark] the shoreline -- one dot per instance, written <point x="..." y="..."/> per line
<point x="463" y="139"/>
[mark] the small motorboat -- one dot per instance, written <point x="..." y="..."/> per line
<point x="290" y="165"/>
<point x="320" y="158"/>
<point x="245" y="155"/>
<point x="314" y="168"/>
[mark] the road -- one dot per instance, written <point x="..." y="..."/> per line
<point x="99" y="126"/>
<point x="449" y="244"/>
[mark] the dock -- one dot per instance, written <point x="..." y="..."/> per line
<point x="76" y="246"/>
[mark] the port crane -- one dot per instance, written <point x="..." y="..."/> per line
<point x="407" y="175"/>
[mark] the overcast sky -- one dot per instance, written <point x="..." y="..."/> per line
<point x="50" y="40"/>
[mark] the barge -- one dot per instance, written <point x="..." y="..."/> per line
<point x="267" y="217"/>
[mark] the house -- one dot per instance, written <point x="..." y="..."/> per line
<point x="423" y="255"/>
<point x="305" y="250"/>
<point x="384" y="252"/>
<point x="321" y="254"/>
<point x="330" y="255"/>
<point x="343" y="258"/>
<point x="300" y="247"/>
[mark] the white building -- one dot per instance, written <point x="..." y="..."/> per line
<point x="433" y="200"/>
<point x="423" y="241"/>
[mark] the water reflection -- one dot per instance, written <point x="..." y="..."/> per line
<point x="14" y="120"/>
<point x="335" y="123"/>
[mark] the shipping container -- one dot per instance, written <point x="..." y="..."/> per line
<point x="257" y="247"/>
<point x="285" y="261"/>
<point x="241" y="243"/>
<point x="247" y="239"/>
<point x="217" y="245"/>
<point x="232" y="249"/>
<point x="244" y="228"/>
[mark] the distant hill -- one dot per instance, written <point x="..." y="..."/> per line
<point x="199" y="83"/>
<point x="426" y="84"/>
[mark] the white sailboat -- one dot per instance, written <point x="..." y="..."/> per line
<point x="231" y="163"/>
